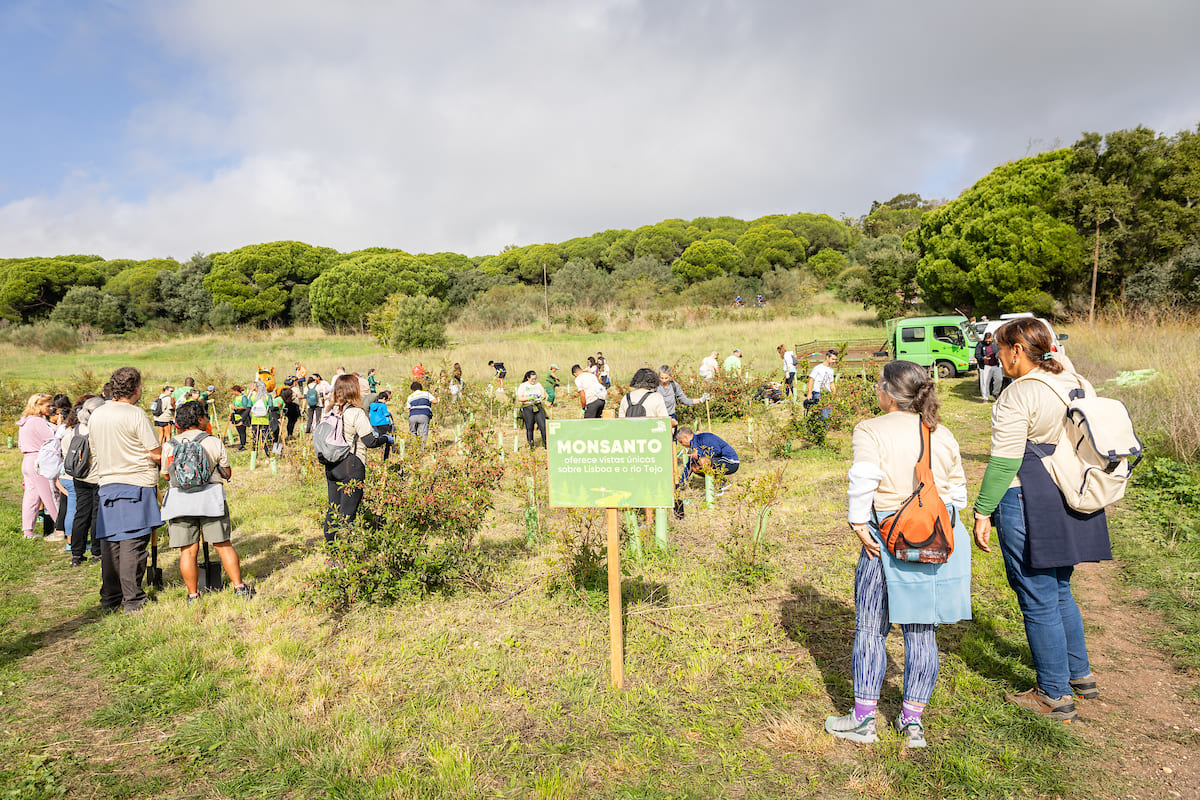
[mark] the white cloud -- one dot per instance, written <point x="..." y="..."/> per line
<point x="473" y="125"/>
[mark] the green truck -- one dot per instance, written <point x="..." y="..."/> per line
<point x="947" y="342"/>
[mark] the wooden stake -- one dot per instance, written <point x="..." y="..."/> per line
<point x="660" y="528"/>
<point x="616" y="638"/>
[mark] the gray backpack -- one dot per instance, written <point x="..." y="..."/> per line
<point x="329" y="439"/>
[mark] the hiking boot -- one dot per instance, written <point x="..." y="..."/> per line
<point x="913" y="733"/>
<point x="848" y="727"/>
<point x="1037" y="701"/>
<point x="245" y="590"/>
<point x="1086" y="687"/>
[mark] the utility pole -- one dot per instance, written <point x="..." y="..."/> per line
<point x="546" y="287"/>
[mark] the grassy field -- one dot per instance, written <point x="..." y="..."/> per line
<point x="504" y="692"/>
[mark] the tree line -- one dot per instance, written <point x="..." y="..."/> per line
<point x="1027" y="236"/>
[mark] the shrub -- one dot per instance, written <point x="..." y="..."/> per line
<point x="729" y="395"/>
<point x="223" y="315"/>
<point x="747" y="551"/>
<point x="405" y="322"/>
<point x="504" y="307"/>
<point x="415" y="530"/>
<point x="54" y="337"/>
<point x="87" y="305"/>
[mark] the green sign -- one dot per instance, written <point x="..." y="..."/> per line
<point x="610" y="463"/>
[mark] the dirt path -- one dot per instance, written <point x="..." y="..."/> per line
<point x="1148" y="713"/>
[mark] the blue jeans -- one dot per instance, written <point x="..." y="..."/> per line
<point x="1053" y="624"/>
<point x="69" y="517"/>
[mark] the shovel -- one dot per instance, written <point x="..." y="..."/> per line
<point x="210" y="577"/>
<point x="154" y="573"/>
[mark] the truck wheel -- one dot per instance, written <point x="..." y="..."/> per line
<point x="946" y="370"/>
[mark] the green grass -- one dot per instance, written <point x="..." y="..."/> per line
<point x="479" y="696"/>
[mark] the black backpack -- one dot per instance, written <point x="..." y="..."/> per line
<point x="78" y="458"/>
<point x="156" y="406"/>
<point x="636" y="409"/>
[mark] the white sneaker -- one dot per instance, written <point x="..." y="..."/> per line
<point x="913" y="733"/>
<point x="848" y="727"/>
<point x="57" y="536"/>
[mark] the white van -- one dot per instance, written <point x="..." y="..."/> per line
<point x="990" y="326"/>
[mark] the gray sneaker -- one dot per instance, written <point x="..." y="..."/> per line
<point x="848" y="727"/>
<point x="913" y="733"/>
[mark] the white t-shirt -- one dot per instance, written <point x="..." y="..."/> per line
<point x="591" y="387"/>
<point x="823" y="377"/>
<point x="708" y="368"/>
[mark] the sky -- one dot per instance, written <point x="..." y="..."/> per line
<point x="155" y="128"/>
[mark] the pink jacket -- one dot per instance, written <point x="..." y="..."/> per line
<point x="33" y="433"/>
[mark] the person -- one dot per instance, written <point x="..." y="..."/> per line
<point x="324" y="392"/>
<point x="456" y="383"/>
<point x="760" y="301"/>
<point x="381" y="419"/>
<point x="420" y="410"/>
<point x="343" y="480"/>
<point x="312" y="403"/>
<point x="789" y="369"/>
<point x="737" y="301"/>
<point x="593" y="366"/>
<point x="300" y="372"/>
<point x="916" y="596"/>
<point x="86" y="490"/>
<point x="162" y="409"/>
<point x="672" y="393"/>
<point x="988" y="364"/>
<point x="180" y="395"/>
<point x="51" y="466"/>
<point x="733" y="364"/>
<point x="707" y="452"/>
<point x="239" y="414"/>
<point x="127" y="456"/>
<point x="34" y="430"/>
<point x="193" y="515"/>
<point x="602" y="372"/>
<point x="1028" y="511"/>
<point x="291" y="408"/>
<point x="262" y="404"/>
<point x="709" y="366"/>
<point x="372" y="381"/>
<point x="551" y="384"/>
<point x="418" y="372"/>
<point x="592" y="395"/>
<point x="643" y="397"/>
<point x="501" y="372"/>
<point x="532" y="396"/>
<point x="821" y="381"/>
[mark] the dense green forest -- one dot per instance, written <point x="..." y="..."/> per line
<point x="1025" y="237"/>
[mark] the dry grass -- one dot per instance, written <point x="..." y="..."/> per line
<point x="1165" y="409"/>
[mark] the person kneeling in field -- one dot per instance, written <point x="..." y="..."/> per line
<point x="196" y="466"/>
<point x="707" y="453"/>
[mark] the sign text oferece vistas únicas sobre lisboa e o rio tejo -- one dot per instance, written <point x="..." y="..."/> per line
<point x="610" y="463"/>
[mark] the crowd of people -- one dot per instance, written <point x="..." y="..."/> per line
<point x="92" y="469"/>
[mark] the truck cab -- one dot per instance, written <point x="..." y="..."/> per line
<point x="946" y="343"/>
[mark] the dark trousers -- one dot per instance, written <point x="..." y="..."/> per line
<point x="593" y="410"/>
<point x="343" y="501"/>
<point x="83" y="527"/>
<point x="241" y="430"/>
<point x="122" y="569"/>
<point x="386" y="430"/>
<point x="311" y="421"/>
<point x="534" y="415"/>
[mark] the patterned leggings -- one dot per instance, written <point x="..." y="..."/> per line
<point x="870" y="656"/>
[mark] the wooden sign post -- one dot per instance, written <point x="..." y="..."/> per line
<point x="611" y="464"/>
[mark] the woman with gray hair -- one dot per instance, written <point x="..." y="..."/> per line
<point x="917" y="596"/>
